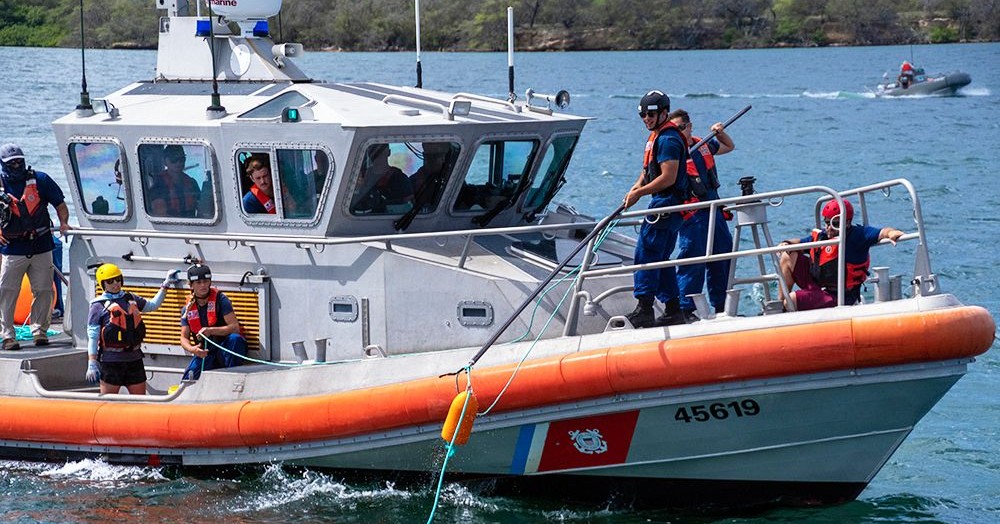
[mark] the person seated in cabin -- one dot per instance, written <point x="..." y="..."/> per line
<point x="260" y="198"/>
<point x="434" y="169"/>
<point x="209" y="328"/>
<point x="815" y="272"/>
<point x="173" y="192"/>
<point x="382" y="188"/>
<point x="115" y="332"/>
<point x="100" y="206"/>
<point x="906" y="74"/>
<point x="322" y="168"/>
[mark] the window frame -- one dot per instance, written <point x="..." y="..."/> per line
<point x="163" y="141"/>
<point x="522" y="205"/>
<point x="531" y="168"/>
<point x="271" y="149"/>
<point x="72" y="166"/>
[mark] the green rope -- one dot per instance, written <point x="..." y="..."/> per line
<point x="450" y="448"/>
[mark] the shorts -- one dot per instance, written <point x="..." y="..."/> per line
<point x="809" y="295"/>
<point x="123" y="373"/>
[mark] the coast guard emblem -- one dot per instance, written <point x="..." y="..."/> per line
<point x="589" y="441"/>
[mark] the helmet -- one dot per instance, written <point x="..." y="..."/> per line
<point x="107" y="272"/>
<point x="831" y="209"/>
<point x="654" y="101"/>
<point x="199" y="272"/>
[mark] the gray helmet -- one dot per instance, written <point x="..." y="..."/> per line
<point x="199" y="272"/>
<point x="654" y="101"/>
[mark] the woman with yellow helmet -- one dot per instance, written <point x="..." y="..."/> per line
<point x="115" y="332"/>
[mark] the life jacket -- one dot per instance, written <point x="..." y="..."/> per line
<point x="28" y="217"/>
<point x="264" y="200"/>
<point x="679" y="192"/>
<point x="211" y="309"/>
<point x="701" y="183"/>
<point x="177" y="204"/>
<point x="124" y="330"/>
<point x="823" y="266"/>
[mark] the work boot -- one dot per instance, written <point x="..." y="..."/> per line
<point x="10" y="344"/>
<point x="690" y="317"/>
<point x="643" y="315"/>
<point x="672" y="314"/>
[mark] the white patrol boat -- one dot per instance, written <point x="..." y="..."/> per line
<point x="410" y="227"/>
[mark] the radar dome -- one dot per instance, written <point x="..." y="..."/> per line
<point x="246" y="9"/>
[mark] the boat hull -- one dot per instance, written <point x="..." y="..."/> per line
<point x="946" y="84"/>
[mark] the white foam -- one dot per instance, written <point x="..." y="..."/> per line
<point x="101" y="472"/>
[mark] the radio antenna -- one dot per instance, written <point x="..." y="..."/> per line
<point x="84" y="104"/>
<point x="215" y="110"/>
<point x="510" y="54"/>
<point x="420" y="73"/>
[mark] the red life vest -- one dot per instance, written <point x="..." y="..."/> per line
<point x="29" y="217"/>
<point x="651" y="168"/>
<point x="264" y="200"/>
<point x="194" y="319"/>
<point x="124" y="330"/>
<point x="823" y="266"/>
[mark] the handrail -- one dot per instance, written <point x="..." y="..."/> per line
<point x="410" y="101"/>
<point x="479" y="98"/>
<point x="78" y="395"/>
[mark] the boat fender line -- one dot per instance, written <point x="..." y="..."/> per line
<point x="463" y="418"/>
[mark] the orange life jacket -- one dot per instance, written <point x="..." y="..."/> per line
<point x="264" y="200"/>
<point x="823" y="266"/>
<point x="651" y="169"/>
<point x="194" y="319"/>
<point x="124" y="330"/>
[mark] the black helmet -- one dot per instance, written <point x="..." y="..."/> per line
<point x="199" y="272"/>
<point x="654" y="101"/>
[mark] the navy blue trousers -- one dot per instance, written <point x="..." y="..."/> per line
<point x="693" y="240"/>
<point x="218" y="358"/>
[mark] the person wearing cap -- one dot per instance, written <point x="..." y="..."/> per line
<point x="693" y="237"/>
<point x="208" y="322"/>
<point x="174" y="193"/>
<point x="815" y="272"/>
<point x="662" y="179"/>
<point x="25" y="232"/>
<point x="906" y="74"/>
<point x="115" y="332"/>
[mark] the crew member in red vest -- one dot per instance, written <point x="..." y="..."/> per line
<point x="816" y="272"/>
<point x="209" y="328"/>
<point x="260" y="198"/>
<point x="115" y="332"/>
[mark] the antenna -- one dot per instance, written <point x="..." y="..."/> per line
<point x="84" y="104"/>
<point x="420" y="73"/>
<point x="215" y="110"/>
<point x="510" y="54"/>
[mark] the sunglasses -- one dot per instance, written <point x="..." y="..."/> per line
<point x="644" y="114"/>
<point x="115" y="280"/>
<point x="14" y="162"/>
<point x="835" y="222"/>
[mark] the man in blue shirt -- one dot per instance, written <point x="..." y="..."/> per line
<point x="693" y="237"/>
<point x="662" y="178"/>
<point x="816" y="272"/>
<point x="209" y="328"/>
<point x="26" y="232"/>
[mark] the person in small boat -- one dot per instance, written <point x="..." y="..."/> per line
<point x="174" y="193"/>
<point x="260" y="198"/>
<point x="662" y="178"/>
<point x="381" y="184"/>
<point x="26" y="227"/>
<point x="693" y="236"/>
<point x="209" y="314"/>
<point x="115" y="332"/>
<point x="815" y="271"/>
<point x="906" y="74"/>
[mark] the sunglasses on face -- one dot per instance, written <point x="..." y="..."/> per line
<point x="115" y="280"/>
<point x="644" y="114"/>
<point x="15" y="162"/>
<point x="834" y="222"/>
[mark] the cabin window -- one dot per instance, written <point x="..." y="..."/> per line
<point x="497" y="175"/>
<point x="301" y="175"/>
<point x="273" y="108"/>
<point x="551" y="175"/>
<point x="177" y="180"/>
<point x="383" y="187"/>
<point x="98" y="168"/>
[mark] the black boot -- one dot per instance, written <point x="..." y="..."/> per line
<point x="642" y="315"/>
<point x="672" y="314"/>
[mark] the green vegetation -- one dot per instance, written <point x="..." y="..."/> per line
<point x="480" y="25"/>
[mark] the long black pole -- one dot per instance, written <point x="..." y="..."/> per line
<point x="597" y="229"/>
<point x="84" y="95"/>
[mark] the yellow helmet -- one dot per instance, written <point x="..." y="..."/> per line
<point x="107" y="272"/>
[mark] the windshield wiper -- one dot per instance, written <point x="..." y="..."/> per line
<point x="546" y="199"/>
<point x="487" y="217"/>
<point x="426" y="193"/>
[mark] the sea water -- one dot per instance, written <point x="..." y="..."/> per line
<point x="815" y="121"/>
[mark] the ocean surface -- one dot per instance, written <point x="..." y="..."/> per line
<point x="814" y="121"/>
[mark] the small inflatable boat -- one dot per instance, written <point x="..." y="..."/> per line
<point x="940" y="84"/>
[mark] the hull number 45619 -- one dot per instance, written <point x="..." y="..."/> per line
<point x="747" y="407"/>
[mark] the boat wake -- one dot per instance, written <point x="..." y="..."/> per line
<point x="97" y="472"/>
<point x="278" y="487"/>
